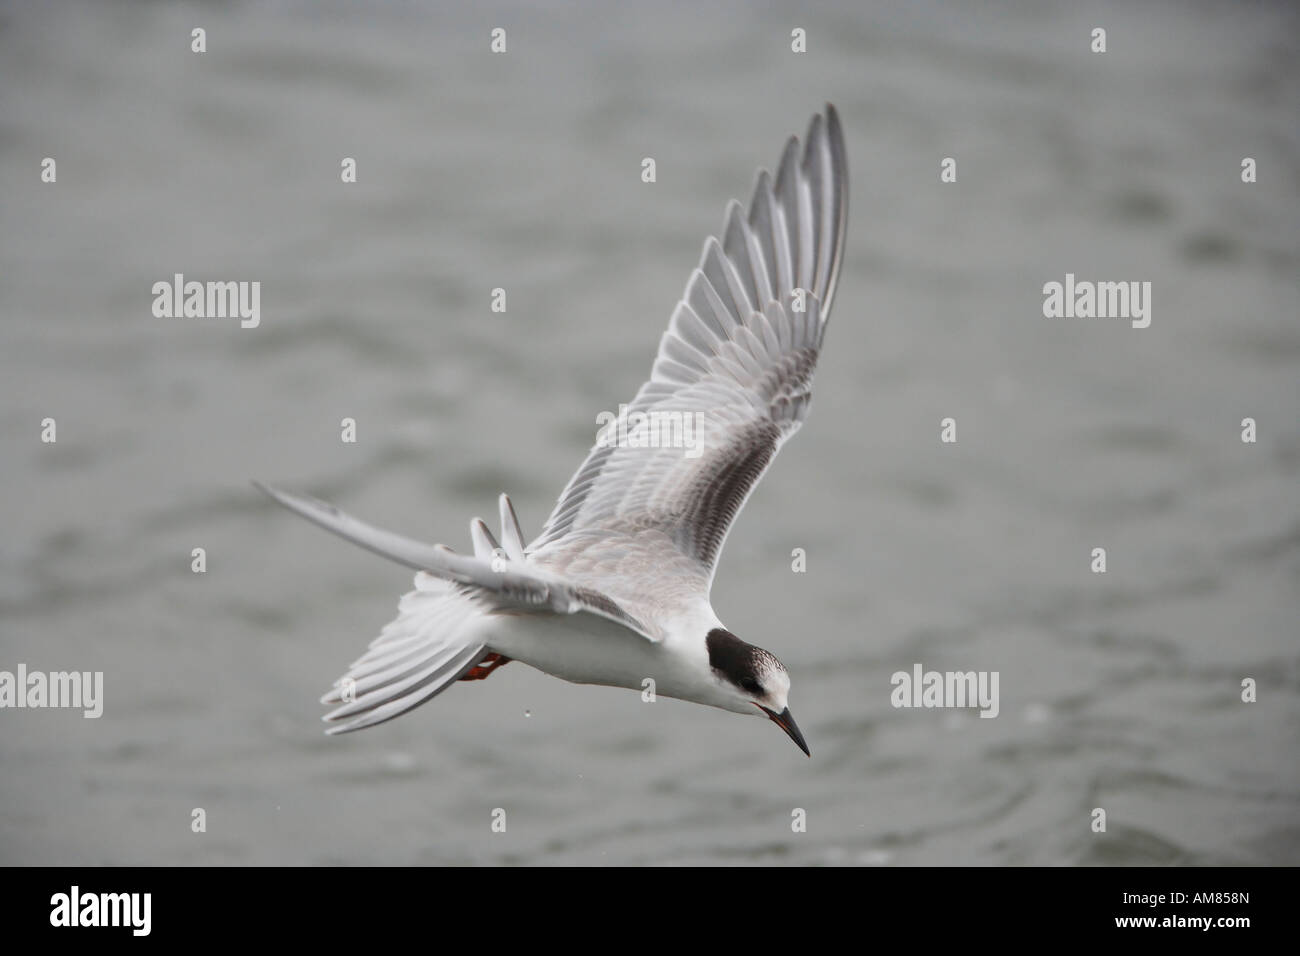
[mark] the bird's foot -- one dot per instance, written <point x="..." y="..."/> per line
<point x="486" y="666"/>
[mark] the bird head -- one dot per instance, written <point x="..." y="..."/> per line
<point x="753" y="678"/>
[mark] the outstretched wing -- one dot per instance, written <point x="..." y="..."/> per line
<point x="441" y="628"/>
<point x="730" y="384"/>
<point x="434" y="641"/>
<point x="501" y="579"/>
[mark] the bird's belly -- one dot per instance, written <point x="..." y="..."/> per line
<point x="584" y="649"/>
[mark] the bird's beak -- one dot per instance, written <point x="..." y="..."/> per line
<point x="785" y="721"/>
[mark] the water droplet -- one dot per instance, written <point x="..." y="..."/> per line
<point x="528" y="713"/>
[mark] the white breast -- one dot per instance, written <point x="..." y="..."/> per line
<point x="586" y="649"/>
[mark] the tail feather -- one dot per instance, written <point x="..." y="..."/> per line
<point x="511" y="536"/>
<point x="485" y="546"/>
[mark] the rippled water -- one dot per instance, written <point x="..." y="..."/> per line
<point x="522" y="171"/>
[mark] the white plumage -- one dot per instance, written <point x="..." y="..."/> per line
<point x="616" y="586"/>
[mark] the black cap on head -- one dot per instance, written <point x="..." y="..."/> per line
<point x="743" y="665"/>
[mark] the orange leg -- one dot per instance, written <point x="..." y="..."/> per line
<point x="484" y="668"/>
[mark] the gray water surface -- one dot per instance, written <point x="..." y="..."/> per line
<point x="522" y="171"/>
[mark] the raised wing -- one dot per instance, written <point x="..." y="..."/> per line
<point x="730" y="384"/>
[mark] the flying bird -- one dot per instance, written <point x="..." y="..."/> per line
<point x="615" y="589"/>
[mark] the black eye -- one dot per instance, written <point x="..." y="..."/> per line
<point x="752" y="686"/>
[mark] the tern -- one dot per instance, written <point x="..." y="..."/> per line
<point x="615" y="589"/>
